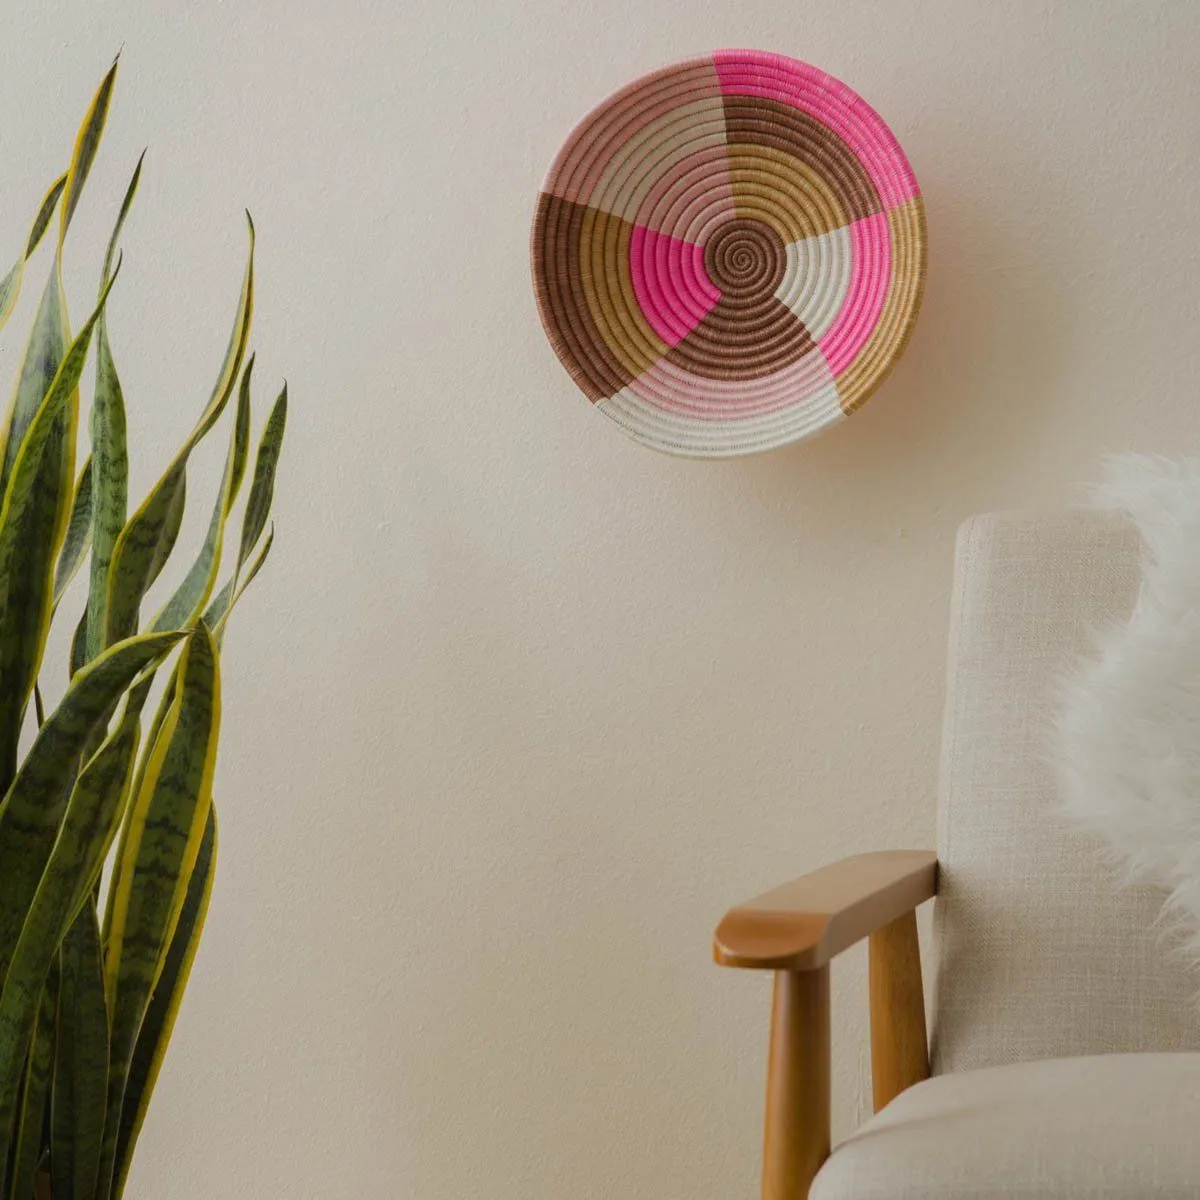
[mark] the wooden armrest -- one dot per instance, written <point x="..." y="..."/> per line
<point x="802" y="925"/>
<point x="794" y="931"/>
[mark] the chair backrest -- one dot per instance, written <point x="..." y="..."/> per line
<point x="1040" y="952"/>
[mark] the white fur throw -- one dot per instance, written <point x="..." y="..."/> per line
<point x="1129" y="729"/>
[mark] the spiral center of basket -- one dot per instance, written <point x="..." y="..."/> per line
<point x="745" y="258"/>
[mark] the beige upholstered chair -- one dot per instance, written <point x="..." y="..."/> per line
<point x="1061" y="1022"/>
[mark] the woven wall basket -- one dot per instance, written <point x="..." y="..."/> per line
<point x="728" y="254"/>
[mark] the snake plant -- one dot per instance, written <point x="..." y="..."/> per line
<point x="91" y="976"/>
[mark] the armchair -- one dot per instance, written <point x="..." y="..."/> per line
<point x="1064" y="1032"/>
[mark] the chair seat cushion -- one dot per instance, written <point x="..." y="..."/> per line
<point x="1113" y="1126"/>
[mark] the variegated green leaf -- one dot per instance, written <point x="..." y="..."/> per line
<point x="78" y="655"/>
<point x="110" y="454"/>
<point x="44" y="352"/>
<point x="114" y="238"/>
<point x="30" y="1131"/>
<point x="258" y="508"/>
<point x="51" y="330"/>
<point x="32" y="810"/>
<point x="141" y="551"/>
<point x="222" y="606"/>
<point x="166" y="700"/>
<point x="33" y="523"/>
<point x="262" y="486"/>
<point x="46" y="210"/>
<point x="159" y="1021"/>
<point x="189" y="598"/>
<point x="235" y="351"/>
<point x="80" y="1079"/>
<point x="149" y="535"/>
<point x="241" y="434"/>
<point x="165" y="704"/>
<point x="87" y="142"/>
<point x="72" y="869"/>
<point x="79" y="533"/>
<point x="150" y="881"/>
<point x="10" y="285"/>
<point x="218" y="608"/>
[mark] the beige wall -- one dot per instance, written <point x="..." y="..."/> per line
<point x="519" y="706"/>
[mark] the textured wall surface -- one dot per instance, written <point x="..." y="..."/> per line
<point x="519" y="707"/>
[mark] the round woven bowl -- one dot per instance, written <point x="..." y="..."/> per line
<point x="728" y="254"/>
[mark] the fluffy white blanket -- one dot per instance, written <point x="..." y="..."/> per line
<point x="1129" y="728"/>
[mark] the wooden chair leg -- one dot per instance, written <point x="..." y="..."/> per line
<point x="899" y="1044"/>
<point x="796" y="1141"/>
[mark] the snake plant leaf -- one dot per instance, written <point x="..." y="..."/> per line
<point x="255" y="566"/>
<point x="214" y="614"/>
<point x="159" y="1021"/>
<point x="33" y="524"/>
<point x="51" y="329"/>
<point x="189" y="598"/>
<point x="262" y="486"/>
<point x="80" y="1077"/>
<point x="10" y="285"/>
<point x="79" y="533"/>
<point x="27" y="1153"/>
<point x="215" y="617"/>
<point x="71" y="871"/>
<point x="114" y="238"/>
<point x="46" y="210"/>
<point x="235" y="351"/>
<point x="258" y="508"/>
<point x="87" y="142"/>
<point x="141" y="551"/>
<point x="78" y="658"/>
<point x="167" y="821"/>
<point x="166" y="700"/>
<point x="32" y="811"/>
<point x="241" y="434"/>
<point x="149" y="535"/>
<point x="110" y="454"/>
<point x="161" y="847"/>
<point x="44" y="352"/>
<point x="85" y="834"/>
<point x="219" y="610"/>
<point x="100" y="818"/>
